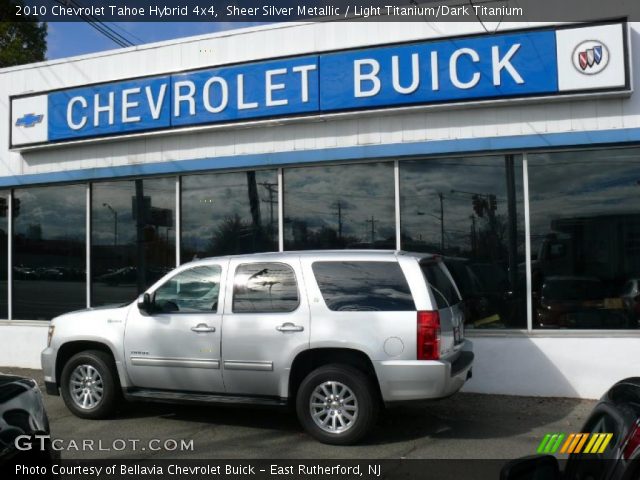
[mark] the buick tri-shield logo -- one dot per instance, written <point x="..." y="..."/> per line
<point x="591" y="57"/>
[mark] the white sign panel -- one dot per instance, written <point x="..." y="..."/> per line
<point x="28" y="120"/>
<point x="591" y="58"/>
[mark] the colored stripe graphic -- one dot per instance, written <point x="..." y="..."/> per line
<point x="555" y="447"/>
<point x="592" y="442"/>
<point x="568" y="442"/>
<point x="543" y="443"/>
<point x="583" y="440"/>
<point x="550" y="443"/>
<point x="595" y="443"/>
<point x="598" y="443"/>
<point x="606" y="442"/>
<point x="577" y="442"/>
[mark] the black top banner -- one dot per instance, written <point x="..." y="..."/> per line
<point x="492" y="13"/>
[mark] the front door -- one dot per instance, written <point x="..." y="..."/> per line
<point x="177" y="345"/>
<point x="265" y="325"/>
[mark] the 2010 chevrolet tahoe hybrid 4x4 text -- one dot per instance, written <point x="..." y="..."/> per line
<point x="337" y="333"/>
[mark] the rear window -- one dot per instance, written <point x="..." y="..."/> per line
<point x="442" y="288"/>
<point x="363" y="286"/>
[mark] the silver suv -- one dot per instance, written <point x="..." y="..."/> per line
<point x="337" y="333"/>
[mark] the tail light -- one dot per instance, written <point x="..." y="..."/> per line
<point x="632" y="442"/>
<point x="428" y="335"/>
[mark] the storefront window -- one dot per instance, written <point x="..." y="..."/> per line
<point x="470" y="210"/>
<point x="585" y="239"/>
<point x="4" y="257"/>
<point x="229" y="213"/>
<point x="132" y="237"/>
<point x="49" y="252"/>
<point x="340" y="206"/>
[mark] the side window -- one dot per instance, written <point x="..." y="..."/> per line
<point x="363" y="286"/>
<point x="264" y="288"/>
<point x="191" y="291"/>
<point x="442" y="288"/>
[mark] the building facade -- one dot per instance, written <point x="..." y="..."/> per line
<point x="514" y="155"/>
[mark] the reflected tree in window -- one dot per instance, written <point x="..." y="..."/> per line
<point x="229" y="213"/>
<point x="339" y="206"/>
<point x="470" y="211"/>
<point x="585" y="238"/>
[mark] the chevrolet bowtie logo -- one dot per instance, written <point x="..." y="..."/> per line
<point x="29" y="120"/>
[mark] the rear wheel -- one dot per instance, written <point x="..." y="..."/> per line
<point x="337" y="404"/>
<point x="89" y="385"/>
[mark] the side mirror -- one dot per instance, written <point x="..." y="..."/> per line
<point x="145" y="305"/>
<point x="537" y="467"/>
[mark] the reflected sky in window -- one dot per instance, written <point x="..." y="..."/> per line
<point x="339" y="206"/>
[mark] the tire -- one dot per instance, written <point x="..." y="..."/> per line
<point x="103" y="388"/>
<point x="314" y="404"/>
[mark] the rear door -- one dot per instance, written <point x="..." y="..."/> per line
<point x="361" y="303"/>
<point x="448" y="302"/>
<point x="265" y="325"/>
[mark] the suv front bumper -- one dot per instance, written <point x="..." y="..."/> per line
<point x="404" y="380"/>
<point x="48" y="361"/>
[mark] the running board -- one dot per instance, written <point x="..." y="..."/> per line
<point x="165" y="396"/>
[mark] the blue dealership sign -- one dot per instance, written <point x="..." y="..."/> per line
<point x="275" y="88"/>
<point x="536" y="63"/>
<point x="110" y="109"/>
<point x="465" y="69"/>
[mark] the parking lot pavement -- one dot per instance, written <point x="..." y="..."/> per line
<point x="464" y="426"/>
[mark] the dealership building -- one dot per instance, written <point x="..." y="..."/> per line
<point x="515" y="155"/>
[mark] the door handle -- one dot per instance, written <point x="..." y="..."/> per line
<point x="289" y="327"/>
<point x="203" y="328"/>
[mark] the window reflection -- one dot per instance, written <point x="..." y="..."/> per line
<point x="363" y="286"/>
<point x="49" y="251"/>
<point x="229" y="213"/>
<point x="265" y="288"/>
<point x="585" y="238"/>
<point x="340" y="206"/>
<point x="191" y="291"/>
<point x="132" y="238"/>
<point x="4" y="217"/>
<point x="470" y="211"/>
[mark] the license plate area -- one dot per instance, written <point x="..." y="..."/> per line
<point x="457" y="335"/>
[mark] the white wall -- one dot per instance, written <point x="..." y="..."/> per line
<point x="560" y="365"/>
<point x="21" y="344"/>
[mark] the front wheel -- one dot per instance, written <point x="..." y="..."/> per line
<point x="337" y="404"/>
<point x="89" y="385"/>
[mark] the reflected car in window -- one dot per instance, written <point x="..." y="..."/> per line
<point x="631" y="299"/>
<point x="578" y="302"/>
